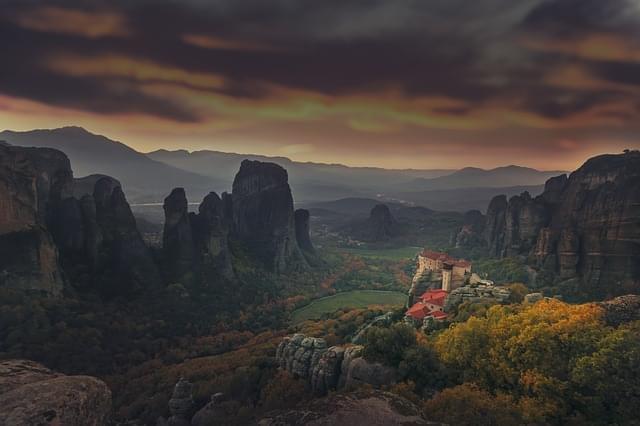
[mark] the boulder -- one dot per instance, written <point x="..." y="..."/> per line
<point x="533" y="297"/>
<point x="360" y="408"/>
<point x="622" y="309"/>
<point x="31" y="394"/>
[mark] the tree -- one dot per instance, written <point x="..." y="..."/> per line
<point x="467" y="404"/>
<point x="387" y="345"/>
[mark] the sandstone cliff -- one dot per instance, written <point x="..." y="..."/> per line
<point x="258" y="215"/>
<point x="263" y="215"/>
<point x="47" y="233"/>
<point x="31" y="394"/>
<point x="32" y="183"/>
<point x="584" y="227"/>
<point x="195" y="245"/>
<point x="471" y="233"/>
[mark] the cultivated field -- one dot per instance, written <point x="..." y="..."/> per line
<point x="349" y="299"/>
<point x="390" y="254"/>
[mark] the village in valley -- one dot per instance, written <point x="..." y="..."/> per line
<point x="441" y="283"/>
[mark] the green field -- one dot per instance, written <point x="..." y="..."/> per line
<point x="348" y="299"/>
<point x="390" y="254"/>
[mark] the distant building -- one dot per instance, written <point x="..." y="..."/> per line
<point x="429" y="305"/>
<point x="453" y="271"/>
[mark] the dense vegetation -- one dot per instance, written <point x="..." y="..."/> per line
<point x="548" y="363"/>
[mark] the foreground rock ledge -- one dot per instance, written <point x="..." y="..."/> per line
<point x="360" y="408"/>
<point x="31" y="394"/>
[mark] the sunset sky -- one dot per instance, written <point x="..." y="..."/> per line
<point x="390" y="83"/>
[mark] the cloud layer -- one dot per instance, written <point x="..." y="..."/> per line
<point x="495" y="78"/>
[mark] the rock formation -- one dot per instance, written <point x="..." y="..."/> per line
<point x="332" y="368"/>
<point x="302" y="231"/>
<point x="476" y="293"/>
<point x="622" y="309"/>
<point x="381" y="224"/>
<point x="471" y="233"/>
<point x="181" y="404"/>
<point x="47" y="234"/>
<point x="196" y="247"/>
<point x="359" y="408"/>
<point x="584" y="227"/>
<point x="263" y="215"/>
<point x="258" y="215"/>
<point x="513" y="226"/>
<point x="31" y="394"/>
<point x="495" y="225"/>
<point x="32" y="183"/>
<point x="177" y="238"/>
<point x="210" y="234"/>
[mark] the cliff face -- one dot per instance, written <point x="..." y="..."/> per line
<point x="196" y="246"/>
<point x="47" y="234"/>
<point x="32" y="184"/>
<point x="586" y="226"/>
<point x="472" y="231"/>
<point x="263" y="216"/>
<point x="594" y="232"/>
<point x="31" y="394"/>
<point x="381" y="224"/>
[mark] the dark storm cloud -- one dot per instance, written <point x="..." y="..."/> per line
<point x="460" y="49"/>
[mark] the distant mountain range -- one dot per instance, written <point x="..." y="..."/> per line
<point x="142" y="177"/>
<point x="309" y="181"/>
<point x="481" y="178"/>
<point x="150" y="177"/>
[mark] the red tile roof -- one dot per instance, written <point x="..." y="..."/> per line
<point x="418" y="311"/>
<point x="438" y="315"/>
<point x="435" y="297"/>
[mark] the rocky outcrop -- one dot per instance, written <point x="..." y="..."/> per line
<point x="48" y="234"/>
<point x="31" y="394"/>
<point x="622" y="309"/>
<point x="495" y="228"/>
<point x="584" y="227"/>
<point x="258" y="216"/>
<point x="381" y="225"/>
<point x="29" y="262"/>
<point x="383" y="320"/>
<point x="513" y="226"/>
<point x="326" y="369"/>
<point x="196" y="247"/>
<point x="32" y="184"/>
<point x="471" y="234"/>
<point x="302" y="231"/>
<point x="211" y="413"/>
<point x="476" y="293"/>
<point x="360" y="408"/>
<point x="210" y="234"/>
<point x="263" y="215"/>
<point x="177" y="238"/>
<point x="127" y="259"/>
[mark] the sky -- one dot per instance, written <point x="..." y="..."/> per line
<point x="389" y="83"/>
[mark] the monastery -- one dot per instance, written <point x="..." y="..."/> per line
<point x="452" y="273"/>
